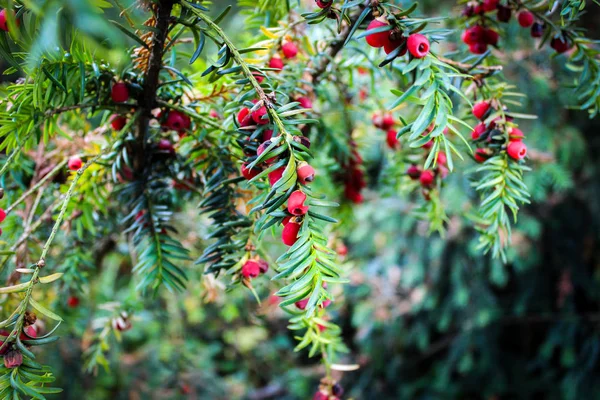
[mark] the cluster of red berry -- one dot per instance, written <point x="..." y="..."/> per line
<point x="478" y="37"/>
<point x="254" y="267"/>
<point x="490" y="137"/>
<point x="385" y="122"/>
<point x="427" y="178"/>
<point x="289" y="51"/>
<point x="392" y="38"/>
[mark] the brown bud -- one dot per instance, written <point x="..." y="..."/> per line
<point x="13" y="359"/>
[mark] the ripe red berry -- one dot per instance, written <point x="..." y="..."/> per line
<point x="478" y="131"/>
<point x="478" y="48"/>
<point x="3" y="23"/>
<point x="75" y="163"/>
<point x="504" y="13"/>
<point x="515" y="135"/>
<point x="306" y="173"/>
<point x="259" y="77"/>
<point x="413" y="172"/>
<point x="166" y="145"/>
<point x="353" y="194"/>
<point x="393" y="44"/>
<point x="480" y="155"/>
<point x="267" y="135"/>
<point x="289" y="234"/>
<point x="491" y="37"/>
<point x="305" y="102"/>
<point x="392" y="140"/>
<point x="537" y="30"/>
<point x="516" y="150"/>
<point x="383" y="121"/>
<point x="2" y="215"/>
<point x="490" y="5"/>
<point x="250" y="269"/>
<point x="323" y="3"/>
<point x="427" y="177"/>
<point x="177" y="121"/>
<point x="244" y="118"/>
<point x="320" y="396"/>
<point x="301" y="304"/>
<point x="73" y="301"/>
<point x="418" y="45"/>
<point x="29" y="332"/>
<point x="119" y="92"/>
<point x="480" y="109"/>
<point x="118" y="122"/>
<point x="472" y="35"/>
<point x="296" y="203"/>
<point x="261" y="149"/>
<point x="378" y="39"/>
<point x="560" y="45"/>
<point x="249" y="173"/>
<point x="442" y="159"/>
<point x="257" y="116"/>
<point x="276" y="63"/>
<point x="276" y="175"/>
<point x="525" y="18"/>
<point x="289" y="50"/>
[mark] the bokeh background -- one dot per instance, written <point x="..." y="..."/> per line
<point x="425" y="316"/>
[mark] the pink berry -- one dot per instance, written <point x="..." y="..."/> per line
<point x="2" y="215"/>
<point x="296" y="203"/>
<point x="480" y="109"/>
<point x="75" y="163"/>
<point x="515" y="135"/>
<point x="392" y="140"/>
<point x="427" y="177"/>
<point x="250" y="269"/>
<point x="306" y="173"/>
<point x="478" y="131"/>
<point x="276" y="63"/>
<point x="3" y="23"/>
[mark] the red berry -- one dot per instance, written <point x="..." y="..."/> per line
<point x="320" y="396"/>
<point x="119" y="92"/>
<point x="74" y="163"/>
<point x="480" y="155"/>
<point x="392" y="140"/>
<point x="276" y="175"/>
<point x="251" y="269"/>
<point x="353" y="194"/>
<point x="427" y="177"/>
<point x="289" y="50"/>
<point x="383" y="121"/>
<point x="257" y="116"/>
<point x="289" y="234"/>
<point x="29" y="332"/>
<point x="515" y="135"/>
<point x="480" y="109"/>
<point x="491" y="37"/>
<point x="249" y="173"/>
<point x="276" y="63"/>
<point x="504" y="13"/>
<point x="472" y="35"/>
<point x="5" y="349"/>
<point x="323" y="3"/>
<point x="413" y="172"/>
<point x="301" y="304"/>
<point x="73" y="301"/>
<point x="517" y="150"/>
<point x="525" y="18"/>
<point x="490" y="5"/>
<point x="261" y="149"/>
<point x="214" y="114"/>
<point x="478" y="48"/>
<point x="305" y="102"/>
<point x="296" y="203"/>
<point x="2" y="215"/>
<point x="306" y="173"/>
<point x="392" y="45"/>
<point x="166" y="145"/>
<point x="560" y="45"/>
<point x="259" y="77"/>
<point x="537" y="30"/>
<point x="478" y="131"/>
<point x="418" y="45"/>
<point x="177" y="121"/>
<point x="3" y="23"/>
<point x="267" y="135"/>
<point x="442" y="159"/>
<point x="244" y="118"/>
<point x="117" y="122"/>
<point x="378" y="39"/>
